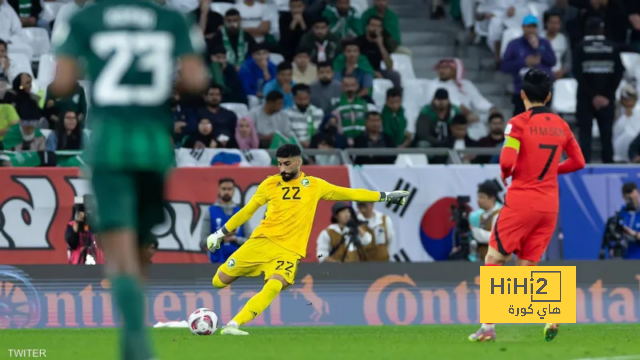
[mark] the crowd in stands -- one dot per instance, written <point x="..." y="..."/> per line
<point x="332" y="74"/>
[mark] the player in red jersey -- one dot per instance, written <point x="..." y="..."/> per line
<point x="534" y="143"/>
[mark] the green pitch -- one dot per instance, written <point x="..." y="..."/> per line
<point x="520" y="342"/>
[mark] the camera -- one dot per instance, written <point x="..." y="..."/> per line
<point x="353" y="237"/>
<point x="615" y="238"/>
<point x="462" y="229"/>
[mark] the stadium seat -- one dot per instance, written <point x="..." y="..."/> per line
<point x="360" y="6"/>
<point x="276" y="58"/>
<point x="220" y="8"/>
<point x="403" y="65"/>
<point x="538" y="9"/>
<point x="272" y="14"/>
<point x="46" y="69"/>
<point x="415" y="93"/>
<point x="238" y="108"/>
<point x="46" y="132"/>
<point x="20" y="63"/>
<point x="411" y="160"/>
<point x="87" y="93"/>
<point x="630" y="62"/>
<point x="38" y="39"/>
<point x="507" y="36"/>
<point x="23" y="49"/>
<point x="380" y="87"/>
<point x="283" y="5"/>
<point x="564" y="100"/>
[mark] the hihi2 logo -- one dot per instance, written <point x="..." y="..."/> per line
<point x="510" y="294"/>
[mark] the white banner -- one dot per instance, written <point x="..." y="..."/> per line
<point x="423" y="226"/>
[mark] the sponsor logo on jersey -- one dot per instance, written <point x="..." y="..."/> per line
<point x="231" y="263"/>
<point x="305" y="182"/>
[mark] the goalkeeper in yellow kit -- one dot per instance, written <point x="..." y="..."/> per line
<point x="280" y="242"/>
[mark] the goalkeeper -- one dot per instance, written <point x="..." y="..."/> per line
<point x="280" y="241"/>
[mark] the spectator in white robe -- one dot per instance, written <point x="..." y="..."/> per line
<point x="627" y="127"/>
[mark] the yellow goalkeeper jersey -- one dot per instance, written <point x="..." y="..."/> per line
<point x="291" y="208"/>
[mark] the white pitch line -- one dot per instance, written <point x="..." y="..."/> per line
<point x="627" y="357"/>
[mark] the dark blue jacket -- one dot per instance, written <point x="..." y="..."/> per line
<point x="218" y="219"/>
<point x="252" y="76"/>
<point x="513" y="61"/>
<point x="631" y="219"/>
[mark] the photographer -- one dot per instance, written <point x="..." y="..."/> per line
<point x="622" y="232"/>
<point x="81" y="242"/>
<point x="490" y="205"/>
<point x="346" y="239"/>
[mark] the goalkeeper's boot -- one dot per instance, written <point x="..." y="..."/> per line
<point x="232" y="329"/>
<point x="550" y="331"/>
<point x="483" y="335"/>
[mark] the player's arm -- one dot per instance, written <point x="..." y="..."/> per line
<point x="257" y="200"/>
<point x="575" y="161"/>
<point x="511" y="148"/>
<point x="189" y="49"/>
<point x="338" y="193"/>
<point x="70" y="43"/>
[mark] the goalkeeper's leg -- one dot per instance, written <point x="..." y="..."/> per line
<point x="256" y="305"/>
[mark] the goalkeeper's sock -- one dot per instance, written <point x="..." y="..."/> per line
<point x="130" y="300"/>
<point x="258" y="303"/>
<point x="487" y="326"/>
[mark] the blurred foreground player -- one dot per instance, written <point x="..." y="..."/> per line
<point x="130" y="49"/>
<point x="534" y="142"/>
<point x="280" y="241"/>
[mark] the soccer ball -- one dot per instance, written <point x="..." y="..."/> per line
<point x="203" y="322"/>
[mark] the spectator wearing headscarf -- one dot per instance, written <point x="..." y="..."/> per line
<point x="246" y="134"/>
<point x="68" y="135"/>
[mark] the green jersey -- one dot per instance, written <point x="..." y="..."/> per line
<point x="129" y="49"/>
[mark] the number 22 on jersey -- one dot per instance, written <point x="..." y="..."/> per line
<point x="141" y="52"/>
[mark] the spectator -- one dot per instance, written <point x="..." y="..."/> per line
<point x="234" y="39"/>
<point x="8" y="118"/>
<point x="559" y="44"/>
<point x="343" y="20"/>
<point x="493" y="15"/>
<point x="376" y="46"/>
<point x="462" y="92"/>
<point x="255" y="19"/>
<point x="325" y="93"/>
<point x="217" y="216"/>
<point x="384" y="235"/>
<point x="633" y="8"/>
<point x="598" y="69"/>
<point x="76" y="102"/>
<point x="203" y="138"/>
<point x="182" y="124"/>
<point x="355" y="65"/>
<point x="282" y="83"/>
<point x="304" y="71"/>
<point x="29" y="12"/>
<point x="613" y="14"/>
<point x="458" y="139"/>
<point x="394" y="123"/>
<point x="325" y="141"/>
<point x="270" y="119"/>
<point x="323" y="45"/>
<point x="68" y="135"/>
<point x="246" y="134"/>
<point x="257" y="71"/>
<point x="5" y="64"/>
<point x="25" y="136"/>
<point x="223" y="120"/>
<point x="293" y="25"/>
<point x="434" y="120"/>
<point x="209" y="21"/>
<point x="304" y="117"/>
<point x="333" y="246"/>
<point x="627" y="127"/>
<point x="10" y="24"/>
<point x="372" y="138"/>
<point x="66" y="12"/>
<point x="489" y="204"/>
<point x="226" y="76"/>
<point x="494" y="139"/>
<point x="81" y="241"/>
<point x="569" y="16"/>
<point x="25" y="103"/>
<point x="390" y="20"/>
<point x="351" y="111"/>
<point x="524" y="53"/>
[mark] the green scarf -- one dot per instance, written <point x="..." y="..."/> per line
<point x="340" y="63"/>
<point x="394" y="124"/>
<point x="215" y="70"/>
<point x="352" y="115"/>
<point x="24" y="8"/>
<point x="235" y="58"/>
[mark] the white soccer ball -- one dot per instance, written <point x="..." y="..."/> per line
<point x="203" y="322"/>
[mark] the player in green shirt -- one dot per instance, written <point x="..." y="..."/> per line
<point x="129" y="49"/>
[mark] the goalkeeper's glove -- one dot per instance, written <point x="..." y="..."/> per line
<point x="214" y="240"/>
<point x="394" y="197"/>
